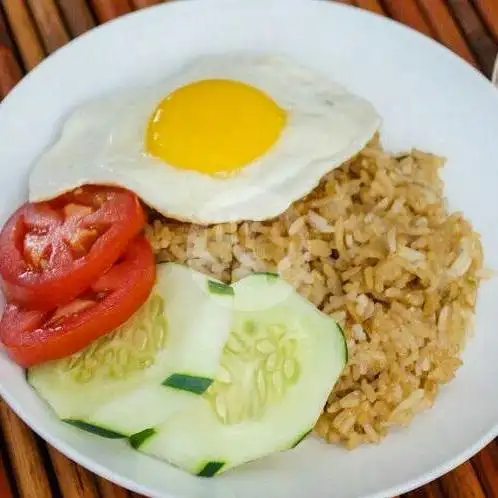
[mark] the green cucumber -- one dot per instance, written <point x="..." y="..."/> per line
<point x="138" y="439"/>
<point x="182" y="382"/>
<point x="123" y="383"/>
<point x="211" y="469"/>
<point x="92" y="429"/>
<point x="278" y="367"/>
<point x="219" y="288"/>
<point x="301" y="438"/>
<point x="269" y="274"/>
<point x="346" y="352"/>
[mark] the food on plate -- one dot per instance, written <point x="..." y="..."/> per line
<point x="150" y="367"/>
<point x="375" y="247"/>
<point x="33" y="336"/>
<point x="51" y="252"/>
<point x="277" y="369"/>
<point x="305" y="278"/>
<point x="206" y="388"/>
<point x="226" y="138"/>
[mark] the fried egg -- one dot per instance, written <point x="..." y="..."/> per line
<point x="226" y="138"/>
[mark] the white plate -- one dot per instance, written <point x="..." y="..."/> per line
<point x="428" y="98"/>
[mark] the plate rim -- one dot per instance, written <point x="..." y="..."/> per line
<point x="116" y="477"/>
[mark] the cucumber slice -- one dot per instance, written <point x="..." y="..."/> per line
<point x="200" y="316"/>
<point x="122" y="383"/>
<point x="277" y="370"/>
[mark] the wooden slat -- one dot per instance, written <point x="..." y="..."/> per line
<point x="77" y="15"/>
<point x="24" y="31"/>
<point x="109" y="490"/>
<point x="372" y="6"/>
<point x="408" y="13"/>
<point x="489" y="12"/>
<point x="462" y="483"/>
<point x="50" y="26"/>
<point x="141" y="4"/>
<point x="484" y="47"/>
<point x="430" y="16"/>
<point x="73" y="479"/>
<point x="29" y="467"/>
<point x="10" y="70"/>
<point x="347" y="2"/>
<point x="5" y="488"/>
<point x="5" y="35"/>
<point x="485" y="464"/>
<point x="431" y="490"/>
<point x="106" y="10"/>
<point x="446" y="28"/>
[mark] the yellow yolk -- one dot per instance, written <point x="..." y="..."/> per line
<point x="214" y="126"/>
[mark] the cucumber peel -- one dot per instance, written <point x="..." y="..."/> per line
<point x="346" y="352"/>
<point x="191" y="383"/>
<point x="211" y="469"/>
<point x="269" y="274"/>
<point x="138" y="439"/>
<point x="93" y="429"/>
<point x="300" y="439"/>
<point x="220" y="288"/>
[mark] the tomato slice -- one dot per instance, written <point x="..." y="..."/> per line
<point x="51" y="252"/>
<point x="34" y="336"/>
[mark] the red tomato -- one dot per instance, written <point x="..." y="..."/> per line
<point x="33" y="336"/>
<point x="51" y="252"/>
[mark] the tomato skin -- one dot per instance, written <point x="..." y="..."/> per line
<point x="34" y="336"/>
<point x="51" y="229"/>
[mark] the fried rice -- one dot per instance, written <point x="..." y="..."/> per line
<point x="375" y="247"/>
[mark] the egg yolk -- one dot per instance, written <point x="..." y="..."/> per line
<point x="214" y="126"/>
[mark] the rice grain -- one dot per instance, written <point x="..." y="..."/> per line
<point x="374" y="247"/>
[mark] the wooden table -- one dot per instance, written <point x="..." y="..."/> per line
<point x="32" y="29"/>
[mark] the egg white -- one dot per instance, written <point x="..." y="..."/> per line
<point x="102" y="142"/>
